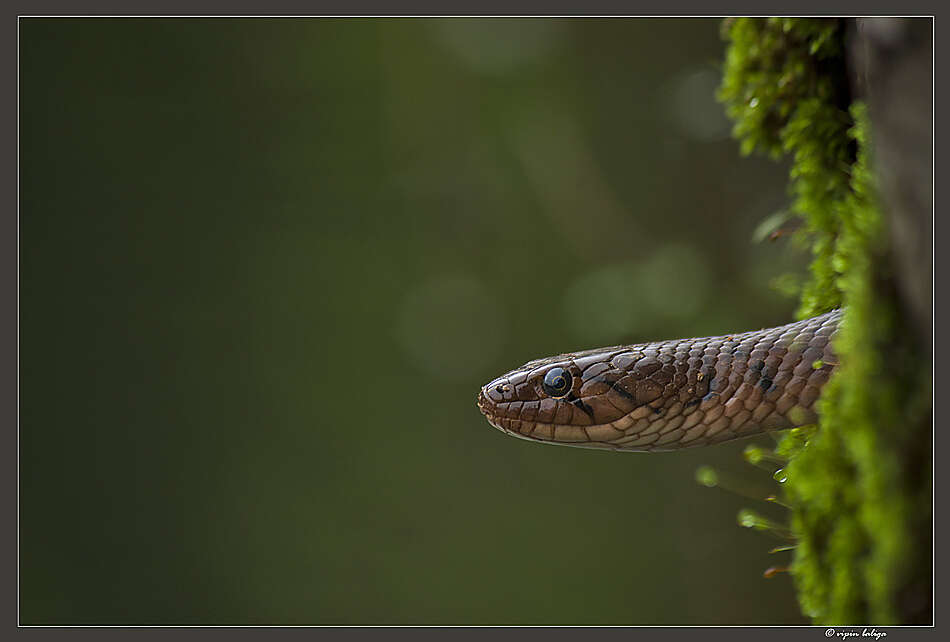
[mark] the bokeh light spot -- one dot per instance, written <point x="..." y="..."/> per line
<point x="500" y="46"/>
<point x="611" y="302"/>
<point x="451" y="326"/>
<point x="693" y="106"/>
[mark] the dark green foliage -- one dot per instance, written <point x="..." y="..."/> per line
<point x="858" y="489"/>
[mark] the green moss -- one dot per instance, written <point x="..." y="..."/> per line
<point x="783" y="88"/>
<point x="858" y="488"/>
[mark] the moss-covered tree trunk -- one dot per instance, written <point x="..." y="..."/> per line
<point x="851" y="103"/>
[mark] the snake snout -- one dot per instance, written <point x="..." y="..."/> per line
<point x="487" y="407"/>
<point x="482" y="402"/>
<point x="494" y="399"/>
<point x="489" y="397"/>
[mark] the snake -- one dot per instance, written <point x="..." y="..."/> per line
<point x="669" y="395"/>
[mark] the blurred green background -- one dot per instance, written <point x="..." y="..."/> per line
<point x="266" y="265"/>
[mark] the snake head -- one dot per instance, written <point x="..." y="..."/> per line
<point x="667" y="395"/>
<point x="569" y="399"/>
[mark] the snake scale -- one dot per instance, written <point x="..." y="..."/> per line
<point x="671" y="394"/>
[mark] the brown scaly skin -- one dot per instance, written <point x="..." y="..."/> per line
<point x="669" y="394"/>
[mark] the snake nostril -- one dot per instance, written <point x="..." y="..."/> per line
<point x="496" y="392"/>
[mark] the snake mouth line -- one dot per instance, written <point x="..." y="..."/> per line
<point x="483" y="405"/>
<point x="485" y="408"/>
<point x="577" y="442"/>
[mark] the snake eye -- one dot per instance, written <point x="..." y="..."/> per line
<point x="557" y="382"/>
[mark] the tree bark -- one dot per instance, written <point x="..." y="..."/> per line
<point x="893" y="59"/>
<point x="892" y="64"/>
